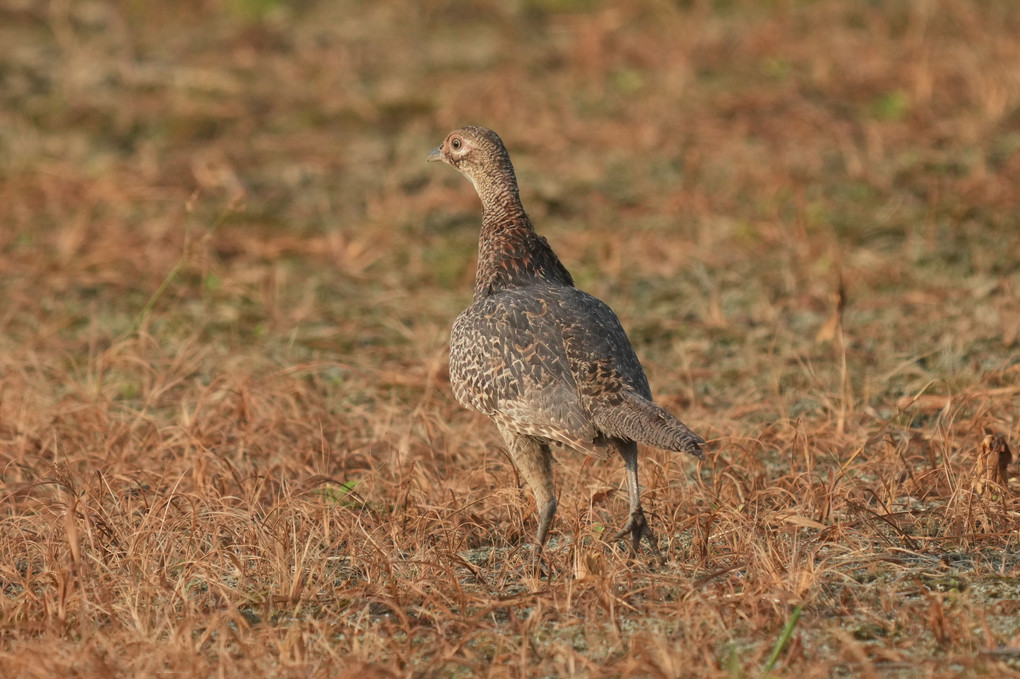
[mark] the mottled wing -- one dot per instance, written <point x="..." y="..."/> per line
<point x="507" y="360"/>
<point x="611" y="381"/>
<point x="599" y="354"/>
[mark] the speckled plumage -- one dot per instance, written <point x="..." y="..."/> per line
<point x="548" y="363"/>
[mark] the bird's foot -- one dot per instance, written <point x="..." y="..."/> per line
<point x="637" y="527"/>
<point x="537" y="567"/>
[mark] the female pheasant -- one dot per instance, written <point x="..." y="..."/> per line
<point x="548" y="363"/>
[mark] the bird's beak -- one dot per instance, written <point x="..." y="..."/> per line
<point x="434" y="155"/>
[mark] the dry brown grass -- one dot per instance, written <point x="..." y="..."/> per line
<point x="227" y="442"/>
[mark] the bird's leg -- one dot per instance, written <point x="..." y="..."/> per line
<point x="636" y="525"/>
<point x="533" y="460"/>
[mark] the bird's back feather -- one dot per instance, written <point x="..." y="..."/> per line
<point x="554" y="362"/>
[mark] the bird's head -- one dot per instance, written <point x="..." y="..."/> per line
<point x="479" y="154"/>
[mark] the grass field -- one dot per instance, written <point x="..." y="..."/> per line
<point x="228" y="445"/>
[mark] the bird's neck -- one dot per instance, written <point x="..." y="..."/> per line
<point x="501" y="205"/>
<point x="510" y="253"/>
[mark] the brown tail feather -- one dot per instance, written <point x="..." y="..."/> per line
<point x="643" y="421"/>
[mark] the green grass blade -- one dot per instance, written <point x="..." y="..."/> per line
<point x="781" y="642"/>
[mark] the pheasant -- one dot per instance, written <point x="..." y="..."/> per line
<point x="549" y="364"/>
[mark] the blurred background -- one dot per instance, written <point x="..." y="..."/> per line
<point x="728" y="174"/>
<point x="818" y="130"/>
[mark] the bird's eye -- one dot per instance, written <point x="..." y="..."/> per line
<point x="456" y="144"/>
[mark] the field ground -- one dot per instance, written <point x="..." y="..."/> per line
<point x="227" y="441"/>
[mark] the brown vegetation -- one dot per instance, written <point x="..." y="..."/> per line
<point x="227" y="441"/>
